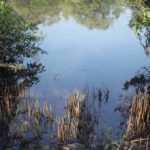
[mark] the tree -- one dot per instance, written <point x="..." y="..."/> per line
<point x="140" y="21"/>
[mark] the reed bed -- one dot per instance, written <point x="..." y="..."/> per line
<point x="68" y="126"/>
<point x="9" y="96"/>
<point x="80" y="117"/>
<point x="140" y="144"/>
<point x="138" y="125"/>
<point x="32" y="119"/>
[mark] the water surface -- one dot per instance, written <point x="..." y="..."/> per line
<point x="79" y="56"/>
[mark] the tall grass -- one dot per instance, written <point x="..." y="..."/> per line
<point x="68" y="126"/>
<point x="33" y="119"/>
<point x="80" y="117"/>
<point x="138" y="125"/>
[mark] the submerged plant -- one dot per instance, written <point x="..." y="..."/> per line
<point x="109" y="143"/>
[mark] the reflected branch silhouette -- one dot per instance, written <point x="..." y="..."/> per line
<point x="139" y="81"/>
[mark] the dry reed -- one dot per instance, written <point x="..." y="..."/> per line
<point x="79" y="121"/>
<point x="139" y="120"/>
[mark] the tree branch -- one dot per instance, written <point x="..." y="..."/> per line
<point x="14" y="67"/>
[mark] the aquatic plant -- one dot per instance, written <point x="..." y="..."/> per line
<point x="68" y="126"/>
<point x="80" y="118"/>
<point x="139" y="118"/>
<point x="108" y="142"/>
<point x="31" y="119"/>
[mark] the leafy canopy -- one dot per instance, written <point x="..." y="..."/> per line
<point x="18" y="46"/>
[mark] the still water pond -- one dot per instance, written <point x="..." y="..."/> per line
<point x="79" y="56"/>
<point x="98" y="49"/>
<point x="90" y="45"/>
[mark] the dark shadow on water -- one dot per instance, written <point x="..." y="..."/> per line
<point x="19" y="68"/>
<point x="133" y="106"/>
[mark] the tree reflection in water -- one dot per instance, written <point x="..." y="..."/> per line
<point x="135" y="102"/>
<point x="18" y="48"/>
<point x="98" y="14"/>
<point x="18" y="44"/>
<point x="139" y="81"/>
<point x="94" y="14"/>
<point x="140" y="24"/>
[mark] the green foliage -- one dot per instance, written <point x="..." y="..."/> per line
<point x="109" y="143"/>
<point x="1" y="4"/>
<point x="19" y="67"/>
<point x="98" y="14"/>
<point x="18" y="45"/>
<point x="140" y="24"/>
<point x="134" y="4"/>
<point x="93" y="14"/>
<point x="140" y="20"/>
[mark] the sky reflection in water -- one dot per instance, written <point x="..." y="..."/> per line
<point x="78" y="56"/>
